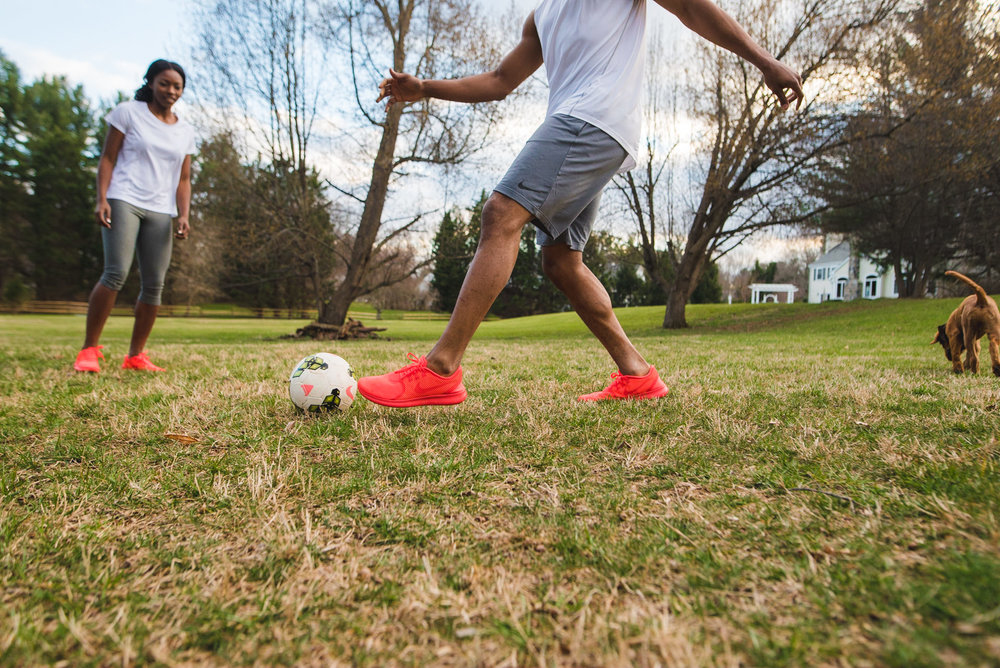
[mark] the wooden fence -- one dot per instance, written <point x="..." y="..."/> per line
<point x="197" y="311"/>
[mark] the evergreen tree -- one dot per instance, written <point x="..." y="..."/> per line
<point x="58" y="163"/>
<point x="709" y="289"/>
<point x="13" y="195"/>
<point x="760" y="273"/>
<point x="450" y="251"/>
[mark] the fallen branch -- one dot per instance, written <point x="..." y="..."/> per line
<point x="352" y="329"/>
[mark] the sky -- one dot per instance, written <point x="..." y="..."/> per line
<point x="105" y="46"/>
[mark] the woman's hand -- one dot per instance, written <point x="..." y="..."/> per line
<point x="183" y="227"/>
<point x="102" y="212"/>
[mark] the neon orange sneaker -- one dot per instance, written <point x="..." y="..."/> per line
<point x="413" y="385"/>
<point x="140" y="362"/>
<point x="86" y="359"/>
<point x="630" y="387"/>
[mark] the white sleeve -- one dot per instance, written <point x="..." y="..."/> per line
<point x="120" y="118"/>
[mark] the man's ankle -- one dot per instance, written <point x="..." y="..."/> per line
<point x="441" y="366"/>
<point x="639" y="369"/>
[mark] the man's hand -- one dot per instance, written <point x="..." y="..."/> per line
<point x="183" y="227"/>
<point x="780" y="78"/>
<point x="400" y="88"/>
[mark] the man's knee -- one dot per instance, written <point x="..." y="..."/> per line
<point x="560" y="263"/>
<point x="502" y="218"/>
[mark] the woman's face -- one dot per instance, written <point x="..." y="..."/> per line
<point x="168" y="86"/>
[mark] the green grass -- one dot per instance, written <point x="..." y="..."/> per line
<point x="818" y="489"/>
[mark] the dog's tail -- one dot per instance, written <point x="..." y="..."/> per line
<point x="980" y="293"/>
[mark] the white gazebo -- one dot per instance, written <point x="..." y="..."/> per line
<point x="764" y="293"/>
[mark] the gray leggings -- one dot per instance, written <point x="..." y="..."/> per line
<point x="146" y="234"/>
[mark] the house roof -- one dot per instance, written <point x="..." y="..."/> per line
<point x="835" y="255"/>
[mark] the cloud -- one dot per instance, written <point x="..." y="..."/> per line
<point x="100" y="76"/>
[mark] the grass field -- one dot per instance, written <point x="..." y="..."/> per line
<point x="817" y="490"/>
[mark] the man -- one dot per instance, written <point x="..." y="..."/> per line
<point x="594" y="56"/>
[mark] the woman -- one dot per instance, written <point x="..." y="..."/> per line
<point x="143" y="181"/>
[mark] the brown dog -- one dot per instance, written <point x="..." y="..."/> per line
<point x="977" y="316"/>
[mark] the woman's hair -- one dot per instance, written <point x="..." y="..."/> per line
<point x="145" y="92"/>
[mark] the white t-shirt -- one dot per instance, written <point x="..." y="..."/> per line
<point x="149" y="164"/>
<point x="595" y="57"/>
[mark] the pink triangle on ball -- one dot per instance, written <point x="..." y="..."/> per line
<point x="307" y="388"/>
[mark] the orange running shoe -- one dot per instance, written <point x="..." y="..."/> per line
<point x="86" y="359"/>
<point x="140" y="362"/>
<point x="413" y="385"/>
<point x="630" y="387"/>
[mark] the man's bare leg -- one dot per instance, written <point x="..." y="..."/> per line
<point x="503" y="220"/>
<point x="565" y="268"/>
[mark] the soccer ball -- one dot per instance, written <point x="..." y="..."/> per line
<point x="322" y="382"/>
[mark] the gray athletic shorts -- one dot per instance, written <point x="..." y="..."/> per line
<point x="559" y="176"/>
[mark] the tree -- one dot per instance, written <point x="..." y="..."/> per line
<point x="709" y="289"/>
<point x="57" y="164"/>
<point x="750" y="152"/>
<point x="913" y="189"/>
<point x="430" y="39"/>
<point x="271" y="66"/>
<point x="267" y="72"/>
<point x="450" y="252"/>
<point x="13" y="194"/>
<point x="762" y="273"/>
<point x="47" y="157"/>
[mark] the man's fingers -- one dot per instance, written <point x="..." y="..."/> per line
<point x="799" y="95"/>
<point x="781" y="97"/>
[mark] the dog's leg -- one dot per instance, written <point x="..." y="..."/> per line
<point x="956" y="353"/>
<point x="971" y="353"/>
<point x="995" y="353"/>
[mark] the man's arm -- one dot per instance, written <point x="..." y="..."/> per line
<point x="708" y="20"/>
<point x="515" y="67"/>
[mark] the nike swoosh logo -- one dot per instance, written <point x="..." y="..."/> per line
<point x="524" y="186"/>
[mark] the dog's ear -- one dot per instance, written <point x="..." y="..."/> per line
<point x="942" y="338"/>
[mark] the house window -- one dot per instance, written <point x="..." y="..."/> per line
<point x="841" y="287"/>
<point x="871" y="286"/>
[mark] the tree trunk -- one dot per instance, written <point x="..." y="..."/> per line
<point x="334" y="311"/>
<point x="693" y="261"/>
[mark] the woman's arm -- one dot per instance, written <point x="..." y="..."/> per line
<point x="515" y="67"/>
<point x="105" y="166"/>
<point x="708" y="20"/>
<point x="184" y="199"/>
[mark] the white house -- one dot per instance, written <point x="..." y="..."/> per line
<point x="841" y="275"/>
